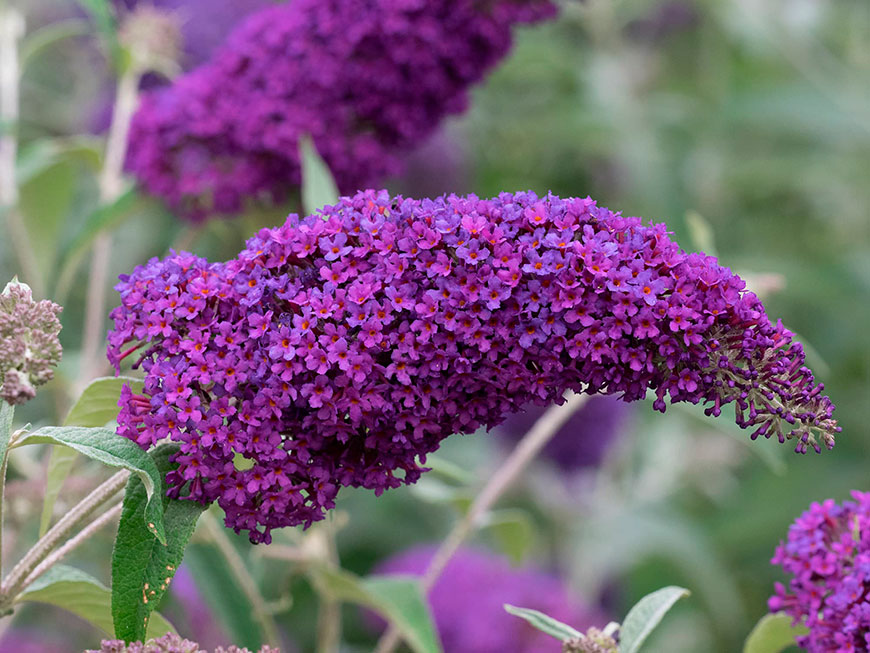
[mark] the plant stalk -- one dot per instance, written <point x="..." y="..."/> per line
<point x="531" y="444"/>
<point x="111" y="185"/>
<point x="17" y="578"/>
<point x="11" y="31"/>
<point x="73" y="543"/>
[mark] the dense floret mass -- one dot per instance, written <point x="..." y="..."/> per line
<point x="340" y="348"/>
<point x="29" y="344"/>
<point x="828" y="554"/>
<point x="169" y="643"/>
<point x="467" y="602"/>
<point x="367" y="79"/>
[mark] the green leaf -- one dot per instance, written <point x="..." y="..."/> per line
<point x="45" y="203"/>
<point x="98" y="404"/>
<point x="701" y="233"/>
<point x="223" y="595"/>
<point x="773" y="633"/>
<point x="101" y="219"/>
<point x="514" y="532"/>
<point x="60" y="463"/>
<point x="318" y="186"/>
<point x="545" y="623"/>
<point x="396" y="598"/>
<point x="109" y="448"/>
<point x="46" y="36"/>
<point x="85" y="596"/>
<point x="142" y="566"/>
<point x="40" y="155"/>
<point x="646" y="614"/>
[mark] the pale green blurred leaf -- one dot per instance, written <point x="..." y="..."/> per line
<point x="318" y="186"/>
<point x="85" y="596"/>
<point x="396" y="598"/>
<point x="646" y="614"/>
<point x="545" y="623"/>
<point x="513" y="531"/>
<point x="772" y="634"/>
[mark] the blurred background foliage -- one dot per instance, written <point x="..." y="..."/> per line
<point x="742" y="124"/>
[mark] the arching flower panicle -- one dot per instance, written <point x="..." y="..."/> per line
<point x="326" y="369"/>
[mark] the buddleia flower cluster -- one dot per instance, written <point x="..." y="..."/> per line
<point x="341" y="348"/>
<point x="827" y="553"/>
<point x="367" y="79"/>
<point x="29" y="344"/>
<point x="169" y="643"/>
<point x="467" y="602"/>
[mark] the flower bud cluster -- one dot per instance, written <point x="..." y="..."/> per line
<point x="169" y="643"/>
<point x="29" y="345"/>
<point x="340" y="348"/>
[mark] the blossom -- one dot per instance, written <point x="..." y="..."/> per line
<point x="29" y="345"/>
<point x="367" y="79"/>
<point x="409" y="351"/>
<point x="584" y="439"/>
<point x="169" y="643"/>
<point x="467" y="602"/>
<point x="828" y="556"/>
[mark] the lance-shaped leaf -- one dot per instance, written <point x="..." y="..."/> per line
<point x="318" y="186"/>
<point x="85" y="596"/>
<point x="646" y="614"/>
<point x="142" y="566"/>
<point x="545" y="623"/>
<point x="105" y="446"/>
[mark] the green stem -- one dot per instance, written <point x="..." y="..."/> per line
<point x="11" y="31"/>
<point x="329" y="615"/>
<point x="111" y="184"/>
<point x="17" y="578"/>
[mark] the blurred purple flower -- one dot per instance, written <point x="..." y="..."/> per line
<point x="828" y="555"/>
<point x="584" y="439"/>
<point x="467" y="602"/>
<point x="367" y="79"/>
<point x="437" y="167"/>
<point x="32" y="640"/>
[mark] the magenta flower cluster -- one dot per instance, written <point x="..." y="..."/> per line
<point x="828" y="555"/>
<point x="367" y="79"/>
<point x="340" y="348"/>
<point x="467" y="602"/>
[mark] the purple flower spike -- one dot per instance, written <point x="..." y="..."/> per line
<point x="367" y="79"/>
<point x="828" y="555"/>
<point x="347" y="372"/>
